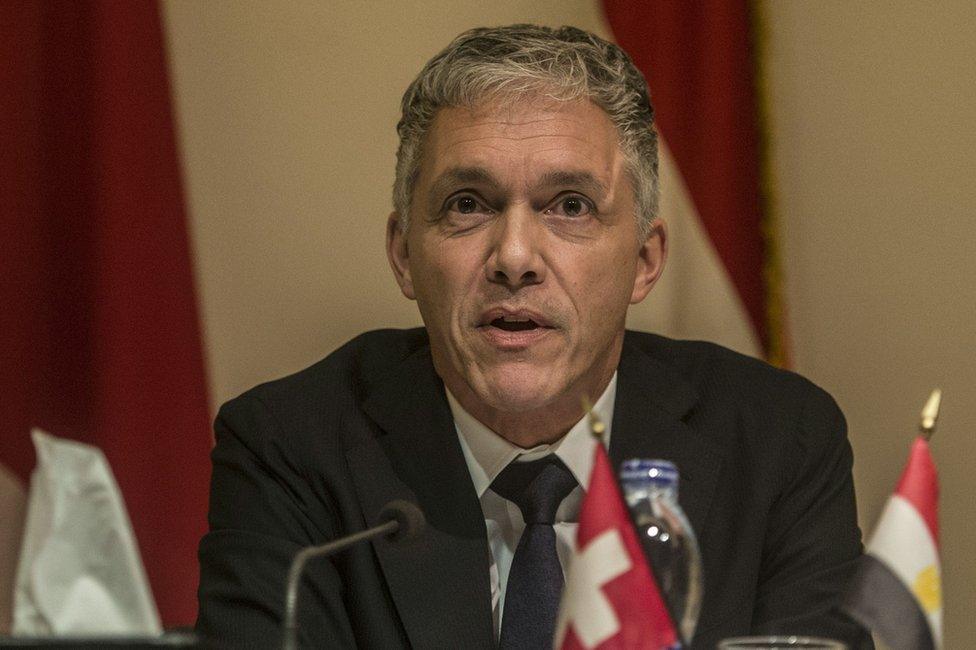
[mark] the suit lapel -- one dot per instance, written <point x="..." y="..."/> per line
<point x="649" y="422"/>
<point x="439" y="582"/>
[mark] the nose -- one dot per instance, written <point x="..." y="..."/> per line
<point x="515" y="259"/>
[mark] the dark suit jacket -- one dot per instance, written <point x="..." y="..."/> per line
<point x="765" y="480"/>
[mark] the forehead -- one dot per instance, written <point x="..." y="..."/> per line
<point x="523" y="139"/>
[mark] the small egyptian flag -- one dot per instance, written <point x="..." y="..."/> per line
<point x="897" y="589"/>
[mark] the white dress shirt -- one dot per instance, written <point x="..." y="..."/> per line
<point x="487" y="454"/>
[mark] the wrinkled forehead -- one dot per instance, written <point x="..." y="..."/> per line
<point x="508" y="106"/>
<point x="539" y="135"/>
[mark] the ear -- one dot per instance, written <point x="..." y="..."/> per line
<point x="650" y="261"/>
<point x="398" y="255"/>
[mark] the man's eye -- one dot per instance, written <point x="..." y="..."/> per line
<point x="466" y="205"/>
<point x="571" y="206"/>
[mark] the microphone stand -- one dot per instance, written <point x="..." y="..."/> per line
<point x="405" y="523"/>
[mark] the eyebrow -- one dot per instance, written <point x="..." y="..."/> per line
<point x="468" y="175"/>
<point x="581" y="179"/>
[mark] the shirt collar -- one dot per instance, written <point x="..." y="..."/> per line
<point x="487" y="453"/>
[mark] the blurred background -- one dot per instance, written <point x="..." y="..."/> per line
<point x="284" y="136"/>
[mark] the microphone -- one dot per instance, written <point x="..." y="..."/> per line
<point x="402" y="522"/>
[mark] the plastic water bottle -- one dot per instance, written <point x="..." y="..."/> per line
<point x="650" y="488"/>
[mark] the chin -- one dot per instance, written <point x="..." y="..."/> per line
<point x="518" y="392"/>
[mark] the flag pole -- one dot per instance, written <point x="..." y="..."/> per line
<point x="597" y="427"/>
<point x="930" y="414"/>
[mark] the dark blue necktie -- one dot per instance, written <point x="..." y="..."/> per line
<point x="535" y="581"/>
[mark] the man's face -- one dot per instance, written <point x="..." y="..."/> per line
<point x="522" y="252"/>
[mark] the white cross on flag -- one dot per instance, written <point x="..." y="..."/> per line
<point x="611" y="600"/>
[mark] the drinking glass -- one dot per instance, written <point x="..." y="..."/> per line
<point x="780" y="643"/>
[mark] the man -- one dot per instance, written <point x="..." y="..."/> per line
<point x="525" y="223"/>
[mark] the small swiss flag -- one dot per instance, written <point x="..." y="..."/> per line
<point x="611" y="599"/>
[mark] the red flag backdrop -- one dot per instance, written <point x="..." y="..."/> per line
<point x="101" y="341"/>
<point x="700" y="61"/>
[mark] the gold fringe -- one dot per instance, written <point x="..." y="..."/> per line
<point x="778" y="346"/>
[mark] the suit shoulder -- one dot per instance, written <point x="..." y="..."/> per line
<point x="340" y="379"/>
<point x="716" y="370"/>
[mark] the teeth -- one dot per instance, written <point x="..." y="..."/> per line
<point x="513" y="319"/>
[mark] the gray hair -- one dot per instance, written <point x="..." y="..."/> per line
<point x="512" y="62"/>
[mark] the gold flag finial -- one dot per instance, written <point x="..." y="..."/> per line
<point x="930" y="414"/>
<point x="597" y="428"/>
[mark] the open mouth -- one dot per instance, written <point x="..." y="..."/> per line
<point x="514" y="325"/>
<point x="514" y="329"/>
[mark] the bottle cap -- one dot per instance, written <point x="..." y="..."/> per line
<point x="643" y="471"/>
